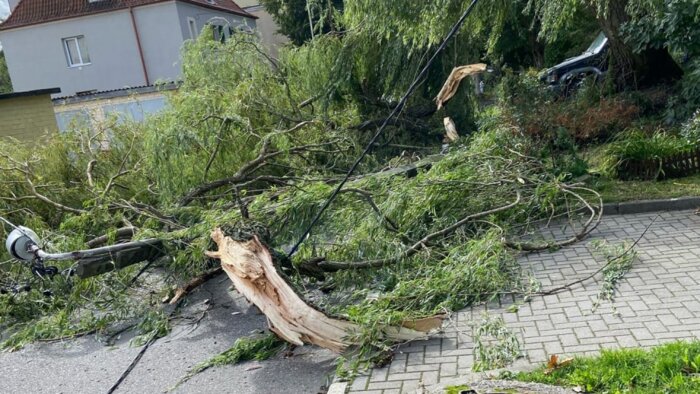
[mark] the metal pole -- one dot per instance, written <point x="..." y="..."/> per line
<point x="81" y="254"/>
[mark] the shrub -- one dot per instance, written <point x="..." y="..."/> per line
<point x="636" y="146"/>
<point x="586" y="117"/>
<point x="598" y="121"/>
<point x="686" y="101"/>
<point x="691" y="129"/>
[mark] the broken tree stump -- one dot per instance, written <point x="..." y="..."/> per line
<point x="250" y="267"/>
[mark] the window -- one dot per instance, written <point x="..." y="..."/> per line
<point x="220" y="33"/>
<point x="193" y="28"/>
<point x="76" y="51"/>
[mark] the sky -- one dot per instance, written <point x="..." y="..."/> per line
<point x="4" y="10"/>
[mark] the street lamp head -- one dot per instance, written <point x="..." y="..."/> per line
<point x="19" y="243"/>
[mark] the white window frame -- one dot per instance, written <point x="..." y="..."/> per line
<point x="77" y="46"/>
<point x="192" y="25"/>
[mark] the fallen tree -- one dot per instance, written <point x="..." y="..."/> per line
<point x="407" y="241"/>
<point x="399" y="248"/>
<point x="250" y="267"/>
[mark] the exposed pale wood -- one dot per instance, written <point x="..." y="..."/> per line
<point x="451" y="134"/>
<point x="250" y="267"/>
<point x="452" y="83"/>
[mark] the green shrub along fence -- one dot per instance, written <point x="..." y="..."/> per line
<point x="673" y="166"/>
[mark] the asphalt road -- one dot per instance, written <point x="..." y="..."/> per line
<point x="86" y="365"/>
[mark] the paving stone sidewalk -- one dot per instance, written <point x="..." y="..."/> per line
<point x="657" y="301"/>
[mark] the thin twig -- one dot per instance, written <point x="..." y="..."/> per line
<point x="181" y="292"/>
<point x="332" y="266"/>
<point x="611" y="261"/>
<point x="389" y="224"/>
<point x="591" y="224"/>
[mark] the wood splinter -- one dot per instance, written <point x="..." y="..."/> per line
<point x="249" y="266"/>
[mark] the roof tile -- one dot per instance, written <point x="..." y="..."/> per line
<point x="31" y="12"/>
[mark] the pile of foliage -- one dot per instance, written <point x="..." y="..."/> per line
<point x="237" y="148"/>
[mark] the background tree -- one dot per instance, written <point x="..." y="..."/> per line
<point x="672" y="25"/>
<point x="295" y="17"/>
<point x="5" y="83"/>
<point x="632" y="65"/>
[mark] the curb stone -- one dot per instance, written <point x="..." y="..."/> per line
<point x="479" y="380"/>
<point x="338" y="388"/>
<point x="644" y="206"/>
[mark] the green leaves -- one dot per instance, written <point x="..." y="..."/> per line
<point x="5" y="83"/>
<point x="619" y="259"/>
<point x="495" y="346"/>
<point x="669" y="24"/>
<point x="664" y="369"/>
<point x="244" y="349"/>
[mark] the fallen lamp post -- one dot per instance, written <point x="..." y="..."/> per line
<point x="23" y="244"/>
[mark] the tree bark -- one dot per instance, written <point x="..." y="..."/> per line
<point x="250" y="267"/>
<point x="630" y="69"/>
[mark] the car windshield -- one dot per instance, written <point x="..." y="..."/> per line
<point x="598" y="43"/>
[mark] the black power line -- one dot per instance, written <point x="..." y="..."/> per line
<point x="416" y="82"/>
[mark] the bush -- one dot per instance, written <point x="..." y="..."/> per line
<point x="687" y="101"/>
<point x="691" y="129"/>
<point x="636" y="146"/>
<point x="596" y="122"/>
<point x="586" y="117"/>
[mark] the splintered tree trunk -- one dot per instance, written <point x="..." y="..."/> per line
<point x="630" y="69"/>
<point x="249" y="266"/>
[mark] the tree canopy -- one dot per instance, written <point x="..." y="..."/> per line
<point x="5" y="82"/>
<point x="301" y="20"/>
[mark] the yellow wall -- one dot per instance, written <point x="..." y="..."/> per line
<point x="27" y="118"/>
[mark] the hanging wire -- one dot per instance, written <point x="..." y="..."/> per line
<point x="414" y="85"/>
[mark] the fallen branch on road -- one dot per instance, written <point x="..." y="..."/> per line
<point x="611" y="261"/>
<point x="193" y="284"/>
<point x="250" y="267"/>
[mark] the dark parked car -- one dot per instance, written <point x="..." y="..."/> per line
<point x="571" y="72"/>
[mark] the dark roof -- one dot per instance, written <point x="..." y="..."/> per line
<point x="29" y="93"/>
<point x="113" y="93"/>
<point x="32" y="12"/>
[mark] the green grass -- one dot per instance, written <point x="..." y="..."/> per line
<point x="618" y="191"/>
<point x="670" y="368"/>
<point x="613" y="190"/>
<point x="456" y="389"/>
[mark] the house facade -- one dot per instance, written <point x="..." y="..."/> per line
<point x="266" y="26"/>
<point x="85" y="46"/>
